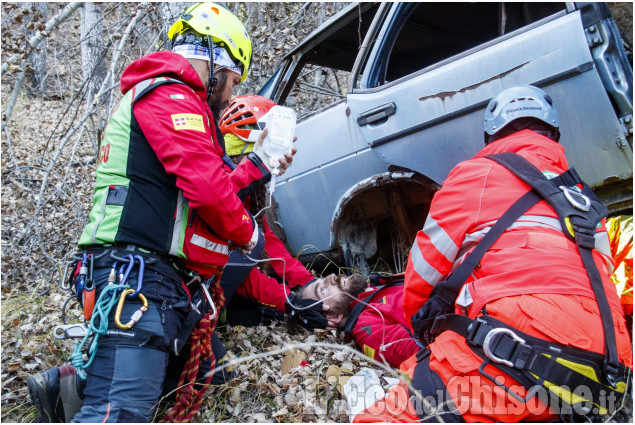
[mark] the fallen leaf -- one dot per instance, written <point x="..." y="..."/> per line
<point x="333" y="373"/>
<point x="341" y="382"/>
<point x="12" y="367"/>
<point x="281" y="412"/>
<point x="347" y="367"/>
<point x="292" y="359"/>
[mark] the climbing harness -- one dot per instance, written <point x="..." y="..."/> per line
<point x="533" y="362"/>
<point x="97" y="311"/>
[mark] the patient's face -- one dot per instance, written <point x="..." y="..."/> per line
<point x="325" y="287"/>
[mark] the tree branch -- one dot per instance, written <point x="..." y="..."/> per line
<point x="6" y="115"/>
<point x="105" y="86"/>
<point x="41" y="35"/>
<point x="10" y="147"/>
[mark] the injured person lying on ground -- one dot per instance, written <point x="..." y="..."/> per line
<point x="370" y="313"/>
<point x="377" y="324"/>
<point x="319" y="304"/>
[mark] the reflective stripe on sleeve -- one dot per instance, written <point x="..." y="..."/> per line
<point x="526" y="221"/>
<point x="204" y="243"/>
<point x="440" y="239"/>
<point x="422" y="268"/>
<point x="473" y="238"/>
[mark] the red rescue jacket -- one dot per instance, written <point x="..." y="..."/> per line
<point x="389" y="327"/>
<point x="533" y="256"/>
<point x="192" y="154"/>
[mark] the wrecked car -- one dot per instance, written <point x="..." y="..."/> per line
<point x="391" y="96"/>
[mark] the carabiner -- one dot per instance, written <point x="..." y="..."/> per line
<point x="211" y="302"/>
<point x="136" y="316"/>
<point x="569" y="194"/>
<point x="123" y="277"/>
<point x="488" y="340"/>
<point x="139" y="276"/>
<point x="81" y="277"/>
<point x="91" y="257"/>
<point x="112" y="276"/>
<point x="79" y="287"/>
<point x="83" y="269"/>
<point x="66" y="279"/>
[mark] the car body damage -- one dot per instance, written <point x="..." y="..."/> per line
<point x="377" y="218"/>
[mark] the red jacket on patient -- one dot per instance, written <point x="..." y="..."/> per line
<point x="383" y="324"/>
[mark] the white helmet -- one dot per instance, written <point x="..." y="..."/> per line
<point x="519" y="102"/>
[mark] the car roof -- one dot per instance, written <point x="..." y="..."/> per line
<point x="337" y="28"/>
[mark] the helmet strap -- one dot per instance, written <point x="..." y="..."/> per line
<point x="242" y="153"/>
<point x="212" y="74"/>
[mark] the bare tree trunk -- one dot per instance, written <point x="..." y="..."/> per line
<point x="32" y="44"/>
<point x="260" y="17"/>
<point x="37" y="60"/>
<point x="41" y="35"/>
<point x="169" y="12"/>
<point x="92" y="47"/>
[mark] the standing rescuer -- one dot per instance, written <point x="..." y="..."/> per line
<point x="163" y="206"/>
<point x="544" y="329"/>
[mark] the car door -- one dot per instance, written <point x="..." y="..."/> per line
<point x="429" y="119"/>
<point x="331" y="156"/>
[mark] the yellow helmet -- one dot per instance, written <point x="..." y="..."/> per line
<point x="219" y="23"/>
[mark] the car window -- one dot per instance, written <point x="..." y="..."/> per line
<point x="316" y="88"/>
<point x="426" y="33"/>
<point x="321" y="77"/>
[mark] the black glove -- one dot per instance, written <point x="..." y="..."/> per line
<point x="310" y="318"/>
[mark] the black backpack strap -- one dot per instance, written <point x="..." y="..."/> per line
<point x="460" y="275"/>
<point x="360" y="306"/>
<point x="582" y="211"/>
<point x="444" y="293"/>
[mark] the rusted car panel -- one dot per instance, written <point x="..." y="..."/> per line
<point x="389" y="105"/>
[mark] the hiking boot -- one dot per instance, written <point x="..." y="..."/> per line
<point x="55" y="394"/>
<point x="44" y="390"/>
